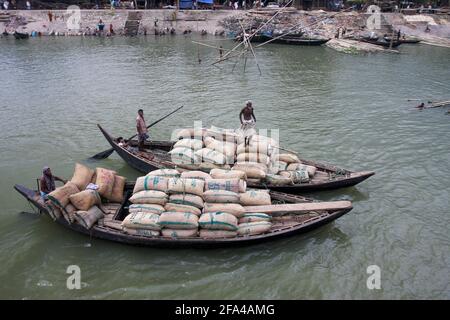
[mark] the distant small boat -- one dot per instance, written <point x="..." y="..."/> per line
<point x="298" y="40"/>
<point x="19" y="35"/>
<point x="411" y="41"/>
<point x="406" y="40"/>
<point x="382" y="42"/>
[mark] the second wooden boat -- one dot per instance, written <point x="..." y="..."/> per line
<point x="156" y="156"/>
<point x="314" y="215"/>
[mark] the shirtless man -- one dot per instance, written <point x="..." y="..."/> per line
<point x="248" y="119"/>
<point x="141" y="129"/>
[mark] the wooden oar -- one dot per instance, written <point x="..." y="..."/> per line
<point x="280" y="209"/>
<point x="105" y="154"/>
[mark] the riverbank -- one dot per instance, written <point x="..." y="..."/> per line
<point x="432" y="29"/>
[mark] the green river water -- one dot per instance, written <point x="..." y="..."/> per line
<point x="348" y="110"/>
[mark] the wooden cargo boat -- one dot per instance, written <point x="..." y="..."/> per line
<point x="327" y="176"/>
<point x="383" y="43"/>
<point x="290" y="39"/>
<point x="312" y="216"/>
<point x="19" y="35"/>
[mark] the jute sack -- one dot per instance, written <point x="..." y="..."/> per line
<point x="104" y="181"/>
<point x="253" y="228"/>
<point x="207" y="167"/>
<point x="279" y="180"/>
<point x="227" y="174"/>
<point x="151" y="183"/>
<point x="194" y="144"/>
<point x="255" y="198"/>
<point x="146" y="208"/>
<point x="179" y="233"/>
<point x="259" y="147"/>
<point x="117" y="191"/>
<point x="188" y="133"/>
<point x="221" y="196"/>
<point x="260" y="138"/>
<point x="226" y="148"/>
<point x="82" y="176"/>
<point x="217" y="234"/>
<point x="141" y="220"/>
<point x="142" y="232"/>
<point x="211" y="156"/>
<point x="85" y="199"/>
<point x="149" y="197"/>
<point x="221" y="134"/>
<point x="60" y="196"/>
<point x="279" y="166"/>
<point x="174" y="207"/>
<point x="298" y="166"/>
<point x="254" y="217"/>
<point x="253" y="157"/>
<point x="164" y="173"/>
<point x="288" y="158"/>
<point x="232" y="208"/>
<point x="252" y="169"/>
<point x="88" y="218"/>
<point x="234" y="185"/>
<point x="218" y="221"/>
<point x="195" y="175"/>
<point x="187" y="199"/>
<point x="298" y="176"/>
<point x="178" y="220"/>
<point x="183" y="155"/>
<point x="186" y="167"/>
<point x="185" y="133"/>
<point x="181" y="185"/>
<point x="70" y="210"/>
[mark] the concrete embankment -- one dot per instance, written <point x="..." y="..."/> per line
<point x="432" y="29"/>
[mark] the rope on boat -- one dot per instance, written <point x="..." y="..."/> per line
<point x="38" y="212"/>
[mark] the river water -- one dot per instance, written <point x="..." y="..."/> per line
<point x="349" y="110"/>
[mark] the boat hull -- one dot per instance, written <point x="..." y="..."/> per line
<point x="111" y="234"/>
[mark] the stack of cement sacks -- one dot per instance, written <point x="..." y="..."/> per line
<point x="78" y="203"/>
<point x="195" y="149"/>
<point x="194" y="203"/>
<point x="224" y="214"/>
<point x="288" y="169"/>
<point x="164" y="202"/>
<point x="256" y="155"/>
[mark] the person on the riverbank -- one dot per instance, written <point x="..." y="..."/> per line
<point x="111" y="30"/>
<point x="142" y="130"/>
<point x="248" y="120"/>
<point x="28" y="4"/>
<point x="6" y="5"/>
<point x="47" y="182"/>
<point x="100" y="26"/>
